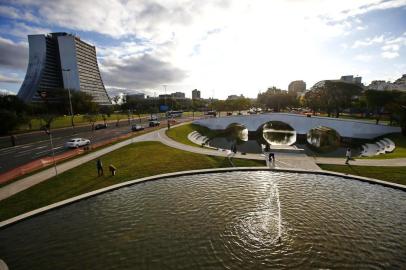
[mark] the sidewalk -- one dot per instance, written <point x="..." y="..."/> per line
<point x="282" y="160"/>
<point x="396" y="162"/>
<point x="34" y="179"/>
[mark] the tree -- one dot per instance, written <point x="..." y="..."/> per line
<point x="106" y="112"/>
<point x="12" y="113"/>
<point x="277" y="99"/>
<point x="332" y="96"/>
<point x="377" y="100"/>
<point x="91" y="118"/>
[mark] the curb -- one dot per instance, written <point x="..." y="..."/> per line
<point x="84" y="196"/>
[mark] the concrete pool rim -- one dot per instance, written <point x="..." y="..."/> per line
<point x="94" y="193"/>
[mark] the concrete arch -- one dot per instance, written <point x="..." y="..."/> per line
<point x="243" y="134"/>
<point x="323" y="138"/>
<point x="278" y="133"/>
<point x="302" y="124"/>
<point x="231" y="125"/>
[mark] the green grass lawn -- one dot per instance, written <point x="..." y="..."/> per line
<point x="180" y="133"/>
<point x="400" y="150"/>
<point x="133" y="161"/>
<point x="390" y="174"/>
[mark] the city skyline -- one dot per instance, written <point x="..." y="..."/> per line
<point x="221" y="49"/>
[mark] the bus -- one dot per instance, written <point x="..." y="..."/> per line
<point x="173" y="114"/>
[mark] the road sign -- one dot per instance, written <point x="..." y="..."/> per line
<point x="163" y="108"/>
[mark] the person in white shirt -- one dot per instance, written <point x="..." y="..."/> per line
<point x="348" y="155"/>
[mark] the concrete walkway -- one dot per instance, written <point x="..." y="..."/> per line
<point x="396" y="162"/>
<point x="283" y="160"/>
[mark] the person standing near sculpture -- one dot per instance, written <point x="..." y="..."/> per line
<point x="99" y="166"/>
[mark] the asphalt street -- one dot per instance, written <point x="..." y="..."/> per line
<point x="38" y="143"/>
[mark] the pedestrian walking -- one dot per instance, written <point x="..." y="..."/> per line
<point x="13" y="140"/>
<point x="99" y="166"/>
<point x="348" y="155"/>
<point x="234" y="148"/>
<point x="272" y="158"/>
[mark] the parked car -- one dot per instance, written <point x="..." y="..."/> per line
<point x="154" y="123"/>
<point x="77" y="142"/>
<point x="100" y="126"/>
<point x="137" y="127"/>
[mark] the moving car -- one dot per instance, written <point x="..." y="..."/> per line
<point x="153" y="117"/>
<point x="100" y="126"/>
<point x="137" y="127"/>
<point x="154" y="123"/>
<point x="77" y="142"/>
<point x="172" y="114"/>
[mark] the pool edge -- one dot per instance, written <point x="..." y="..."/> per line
<point x="87" y="195"/>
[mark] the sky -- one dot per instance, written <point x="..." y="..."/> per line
<point x="220" y="47"/>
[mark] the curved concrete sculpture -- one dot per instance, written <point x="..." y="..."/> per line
<point x="302" y="124"/>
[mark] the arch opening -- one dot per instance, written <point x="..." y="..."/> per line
<point x="323" y="139"/>
<point x="237" y="132"/>
<point x="278" y="133"/>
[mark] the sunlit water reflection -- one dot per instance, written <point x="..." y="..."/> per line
<point x="219" y="221"/>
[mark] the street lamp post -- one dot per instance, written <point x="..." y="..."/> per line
<point x="70" y="101"/>
<point x="43" y="95"/>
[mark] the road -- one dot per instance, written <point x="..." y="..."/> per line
<point x="37" y="144"/>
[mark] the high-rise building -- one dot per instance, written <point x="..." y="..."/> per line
<point x="399" y="85"/>
<point x="351" y="79"/>
<point x="297" y="87"/>
<point x="196" y="94"/>
<point x="234" y="97"/>
<point x="178" y="95"/>
<point x="61" y="60"/>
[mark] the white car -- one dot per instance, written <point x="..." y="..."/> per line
<point x="77" y="142"/>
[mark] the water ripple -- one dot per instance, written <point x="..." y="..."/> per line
<point x="219" y="221"/>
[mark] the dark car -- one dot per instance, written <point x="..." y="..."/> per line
<point x="137" y="128"/>
<point x="154" y="123"/>
<point x="100" y="126"/>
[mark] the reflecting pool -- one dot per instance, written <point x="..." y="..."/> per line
<point x="278" y="133"/>
<point x="219" y="221"/>
<point x="323" y="139"/>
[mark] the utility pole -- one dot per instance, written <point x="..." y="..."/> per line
<point x="70" y="101"/>
<point x="43" y="95"/>
<point x="165" y="98"/>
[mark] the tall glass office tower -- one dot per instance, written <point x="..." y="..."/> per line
<point x="61" y="60"/>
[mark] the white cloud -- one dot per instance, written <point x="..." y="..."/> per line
<point x="7" y="92"/>
<point x="368" y="42"/>
<point x="364" y="57"/>
<point x="362" y="27"/>
<point x="13" y="55"/>
<point x="10" y="79"/>
<point x="215" y="44"/>
<point x="392" y="46"/>
<point x="22" y="30"/>
<point x="389" y="54"/>
<point x="14" y="13"/>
